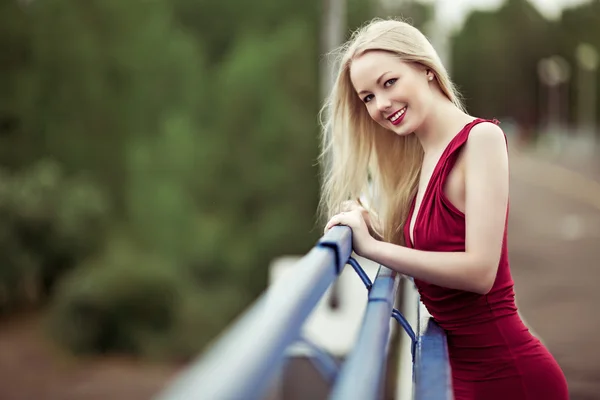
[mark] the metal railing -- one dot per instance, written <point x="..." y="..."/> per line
<point x="243" y="363"/>
<point x="432" y="375"/>
<point x="367" y="359"/>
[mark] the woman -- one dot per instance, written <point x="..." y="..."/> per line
<point x="439" y="180"/>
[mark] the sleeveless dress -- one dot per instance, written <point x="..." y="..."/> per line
<point x="493" y="356"/>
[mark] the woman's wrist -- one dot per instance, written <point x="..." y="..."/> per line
<point x="371" y="249"/>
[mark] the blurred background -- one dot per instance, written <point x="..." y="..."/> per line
<point x="157" y="156"/>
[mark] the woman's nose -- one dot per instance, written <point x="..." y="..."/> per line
<point x="383" y="104"/>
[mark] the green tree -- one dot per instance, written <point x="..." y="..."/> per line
<point x="495" y="59"/>
<point x="16" y="147"/>
<point x="579" y="24"/>
<point x="220" y="178"/>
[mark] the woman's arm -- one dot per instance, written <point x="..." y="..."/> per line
<point x="486" y="193"/>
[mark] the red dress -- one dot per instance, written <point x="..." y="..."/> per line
<point x="493" y="355"/>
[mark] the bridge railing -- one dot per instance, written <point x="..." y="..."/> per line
<point x="244" y="361"/>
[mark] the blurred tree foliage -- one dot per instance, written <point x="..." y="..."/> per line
<point x="495" y="58"/>
<point x="199" y="122"/>
<point x="49" y="224"/>
<point x="496" y="67"/>
<point x="579" y="24"/>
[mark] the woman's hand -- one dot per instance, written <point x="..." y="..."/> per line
<point x="361" y="238"/>
<point x="374" y="228"/>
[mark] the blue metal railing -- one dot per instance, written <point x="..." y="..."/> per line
<point x="432" y="375"/>
<point x="243" y="362"/>
<point x="367" y="359"/>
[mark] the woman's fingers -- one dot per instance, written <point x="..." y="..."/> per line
<point x="335" y="220"/>
<point x="332" y="222"/>
<point x="343" y="218"/>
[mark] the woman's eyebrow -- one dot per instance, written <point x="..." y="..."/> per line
<point x="377" y="81"/>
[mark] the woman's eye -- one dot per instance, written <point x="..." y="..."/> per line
<point x="390" y="82"/>
<point x="368" y="98"/>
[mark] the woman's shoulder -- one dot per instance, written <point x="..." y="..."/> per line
<point x="486" y="149"/>
<point x="486" y="135"/>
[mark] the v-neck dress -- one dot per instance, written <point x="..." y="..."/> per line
<point x="493" y="355"/>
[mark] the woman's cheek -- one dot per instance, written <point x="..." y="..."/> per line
<point x="372" y="115"/>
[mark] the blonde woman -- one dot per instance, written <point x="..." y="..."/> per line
<point x="438" y="181"/>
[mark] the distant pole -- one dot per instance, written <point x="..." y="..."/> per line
<point x="332" y="36"/>
<point x="333" y="27"/>
<point x="438" y="31"/>
<point x="587" y="62"/>
<point x="554" y="72"/>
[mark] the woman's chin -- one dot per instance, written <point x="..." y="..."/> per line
<point x="401" y="130"/>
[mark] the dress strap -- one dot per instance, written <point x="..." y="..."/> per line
<point x="453" y="150"/>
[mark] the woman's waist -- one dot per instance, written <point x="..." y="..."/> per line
<point x="462" y="319"/>
<point x="456" y="309"/>
<point x="498" y="338"/>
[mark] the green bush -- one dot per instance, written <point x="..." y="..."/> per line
<point x="131" y="302"/>
<point x="48" y="224"/>
<point x="116" y="305"/>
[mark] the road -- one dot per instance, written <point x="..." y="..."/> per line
<point x="554" y="242"/>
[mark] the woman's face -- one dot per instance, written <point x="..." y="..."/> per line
<point x="397" y="94"/>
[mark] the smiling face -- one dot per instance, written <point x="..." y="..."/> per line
<point x="397" y="95"/>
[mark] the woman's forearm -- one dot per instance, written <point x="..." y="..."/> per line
<point x="454" y="270"/>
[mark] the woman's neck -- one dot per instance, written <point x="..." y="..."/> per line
<point x="444" y="121"/>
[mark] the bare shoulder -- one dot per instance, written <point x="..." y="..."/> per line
<point x="486" y="153"/>
<point x="486" y="137"/>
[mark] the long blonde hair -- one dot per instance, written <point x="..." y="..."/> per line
<point x="362" y="158"/>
